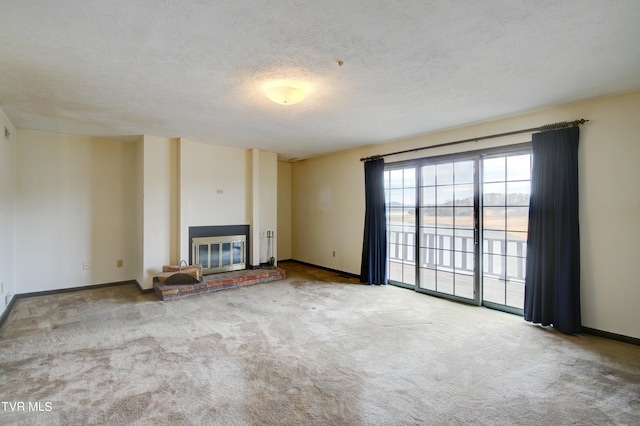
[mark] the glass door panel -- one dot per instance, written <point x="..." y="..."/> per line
<point x="505" y="215"/>
<point x="400" y="198"/>
<point x="447" y="228"/>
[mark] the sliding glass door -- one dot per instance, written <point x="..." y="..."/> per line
<point x="457" y="226"/>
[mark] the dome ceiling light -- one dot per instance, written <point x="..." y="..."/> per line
<point x="285" y="93"/>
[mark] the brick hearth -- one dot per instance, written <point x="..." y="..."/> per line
<point x="217" y="282"/>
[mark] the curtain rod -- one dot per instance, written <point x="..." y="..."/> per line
<point x="546" y="127"/>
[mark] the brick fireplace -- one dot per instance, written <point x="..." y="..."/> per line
<point x="217" y="282"/>
<point x="224" y="280"/>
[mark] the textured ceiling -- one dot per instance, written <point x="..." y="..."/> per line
<point x="195" y="68"/>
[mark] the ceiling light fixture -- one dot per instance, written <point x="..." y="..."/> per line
<point x="288" y="93"/>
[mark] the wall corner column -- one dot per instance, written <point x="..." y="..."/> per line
<point x="254" y="258"/>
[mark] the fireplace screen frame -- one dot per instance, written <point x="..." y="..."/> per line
<point x="219" y="254"/>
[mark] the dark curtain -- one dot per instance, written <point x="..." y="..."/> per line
<point x="552" y="284"/>
<point x="373" y="268"/>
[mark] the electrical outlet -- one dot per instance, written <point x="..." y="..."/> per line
<point x="7" y="299"/>
<point x="119" y="263"/>
<point x="86" y="265"/>
<point x="1" y="288"/>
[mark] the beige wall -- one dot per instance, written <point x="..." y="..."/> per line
<point x="283" y="233"/>
<point x="188" y="183"/>
<point x="160" y="201"/>
<point x="264" y="203"/>
<point x="227" y="186"/>
<point x="90" y="201"/>
<point x="214" y="188"/>
<point x="268" y="202"/>
<point x="75" y="214"/>
<point x="138" y="211"/>
<point x="7" y="210"/>
<point x="328" y="202"/>
<point x="327" y="209"/>
<point x="213" y="184"/>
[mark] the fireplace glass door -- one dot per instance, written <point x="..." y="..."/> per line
<point x="219" y="254"/>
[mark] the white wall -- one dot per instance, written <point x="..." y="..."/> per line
<point x="328" y="202"/>
<point x="7" y="210"/>
<point x="283" y="233"/>
<point x="75" y="214"/>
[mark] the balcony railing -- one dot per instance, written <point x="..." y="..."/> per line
<point x="502" y="259"/>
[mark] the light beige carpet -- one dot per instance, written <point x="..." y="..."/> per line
<point x="315" y="348"/>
